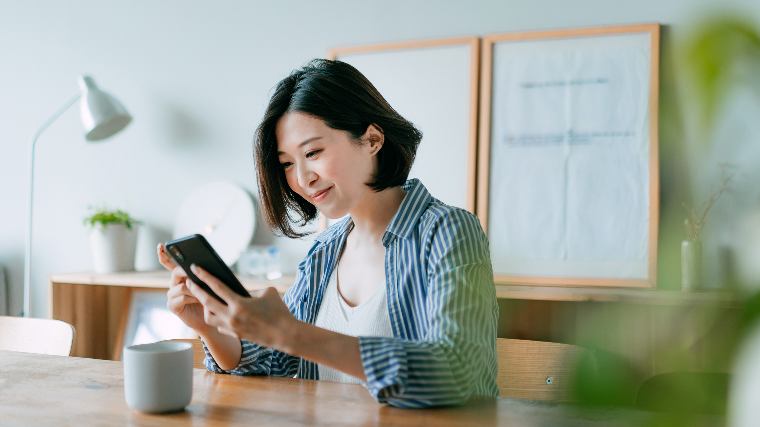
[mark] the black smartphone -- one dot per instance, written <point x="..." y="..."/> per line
<point x="195" y="249"/>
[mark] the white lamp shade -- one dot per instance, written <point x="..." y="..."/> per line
<point x="102" y="114"/>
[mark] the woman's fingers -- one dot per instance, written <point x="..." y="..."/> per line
<point x="164" y="258"/>
<point x="215" y="284"/>
<point x="218" y="322"/>
<point x="175" y="304"/>
<point x="208" y="301"/>
<point x="178" y="290"/>
<point x="178" y="276"/>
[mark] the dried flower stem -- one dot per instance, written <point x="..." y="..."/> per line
<point x="695" y="221"/>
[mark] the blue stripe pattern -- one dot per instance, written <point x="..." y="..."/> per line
<point x="441" y="302"/>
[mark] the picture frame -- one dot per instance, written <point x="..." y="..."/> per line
<point x="411" y="73"/>
<point x="568" y="176"/>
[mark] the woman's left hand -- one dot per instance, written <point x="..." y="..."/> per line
<point x="263" y="319"/>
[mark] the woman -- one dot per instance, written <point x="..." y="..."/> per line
<point x="398" y="295"/>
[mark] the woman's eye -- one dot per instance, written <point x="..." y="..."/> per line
<point x="312" y="153"/>
<point x="285" y="165"/>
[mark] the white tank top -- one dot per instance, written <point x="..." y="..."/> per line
<point x="367" y="319"/>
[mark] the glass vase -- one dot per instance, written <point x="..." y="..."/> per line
<point x="691" y="265"/>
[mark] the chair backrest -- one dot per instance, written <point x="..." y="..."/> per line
<point x="199" y="356"/>
<point x="536" y="370"/>
<point x="44" y="336"/>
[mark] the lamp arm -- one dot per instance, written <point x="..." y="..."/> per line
<point x="27" y="310"/>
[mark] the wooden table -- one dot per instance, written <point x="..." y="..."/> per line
<point x="38" y="390"/>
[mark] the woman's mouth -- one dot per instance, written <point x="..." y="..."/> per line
<point x="320" y="195"/>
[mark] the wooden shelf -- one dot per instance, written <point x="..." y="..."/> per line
<point x="98" y="306"/>
<point x="156" y="280"/>
<point x="623" y="295"/>
<point x="160" y="280"/>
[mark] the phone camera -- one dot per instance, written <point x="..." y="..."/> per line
<point x="177" y="253"/>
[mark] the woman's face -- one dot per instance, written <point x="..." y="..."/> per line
<point x="325" y="166"/>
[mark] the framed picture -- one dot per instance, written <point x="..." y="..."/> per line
<point x="433" y="84"/>
<point x="568" y="157"/>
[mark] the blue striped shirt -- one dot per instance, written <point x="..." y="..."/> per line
<point x="441" y="303"/>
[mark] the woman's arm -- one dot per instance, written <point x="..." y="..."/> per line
<point x="454" y="360"/>
<point x="455" y="357"/>
<point x="224" y="350"/>
<point x="228" y="352"/>
<point x="267" y="321"/>
<point x="180" y="301"/>
<point x="325" y="347"/>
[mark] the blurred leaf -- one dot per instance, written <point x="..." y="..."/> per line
<point x="712" y="56"/>
<point x="685" y="392"/>
<point x="605" y="379"/>
<point x="750" y="314"/>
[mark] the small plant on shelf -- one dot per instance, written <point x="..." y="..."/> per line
<point x="113" y="240"/>
<point x="102" y="217"/>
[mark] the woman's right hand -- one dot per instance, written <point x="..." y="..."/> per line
<point x="179" y="300"/>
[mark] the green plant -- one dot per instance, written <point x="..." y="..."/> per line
<point x="103" y="217"/>
<point x="722" y="52"/>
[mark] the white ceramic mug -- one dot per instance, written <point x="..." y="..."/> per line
<point x="158" y="377"/>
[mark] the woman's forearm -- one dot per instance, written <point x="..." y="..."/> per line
<point x="310" y="342"/>
<point x="325" y="347"/>
<point x="225" y="349"/>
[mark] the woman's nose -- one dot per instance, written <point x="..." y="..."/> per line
<point x="305" y="176"/>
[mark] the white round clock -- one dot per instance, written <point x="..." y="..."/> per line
<point x="223" y="213"/>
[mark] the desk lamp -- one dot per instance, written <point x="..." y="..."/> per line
<point x="102" y="116"/>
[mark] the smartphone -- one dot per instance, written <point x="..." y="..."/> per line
<point x="195" y="249"/>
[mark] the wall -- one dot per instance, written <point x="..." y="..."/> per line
<point x="196" y="76"/>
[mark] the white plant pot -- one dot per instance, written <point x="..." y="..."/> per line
<point x="113" y="248"/>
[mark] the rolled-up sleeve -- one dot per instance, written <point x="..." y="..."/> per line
<point x="455" y="359"/>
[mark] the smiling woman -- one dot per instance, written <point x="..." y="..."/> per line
<point x="398" y="295"/>
<point x="327" y="101"/>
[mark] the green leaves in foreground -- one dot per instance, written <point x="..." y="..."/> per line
<point x="717" y="52"/>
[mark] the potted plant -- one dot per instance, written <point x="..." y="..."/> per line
<point x="113" y="240"/>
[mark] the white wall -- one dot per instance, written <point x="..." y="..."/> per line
<point x="196" y="76"/>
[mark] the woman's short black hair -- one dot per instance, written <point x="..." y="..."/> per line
<point x="344" y="99"/>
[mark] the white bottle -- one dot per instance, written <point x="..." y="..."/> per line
<point x="274" y="270"/>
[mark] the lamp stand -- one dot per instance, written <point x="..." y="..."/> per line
<point x="27" y="310"/>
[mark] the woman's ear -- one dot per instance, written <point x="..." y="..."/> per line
<point x="374" y="138"/>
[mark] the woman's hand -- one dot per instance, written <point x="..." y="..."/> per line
<point x="263" y="319"/>
<point x="179" y="300"/>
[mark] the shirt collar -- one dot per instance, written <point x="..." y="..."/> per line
<point x="415" y="202"/>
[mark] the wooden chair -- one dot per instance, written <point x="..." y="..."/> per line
<point x="198" y="354"/>
<point x="536" y="370"/>
<point x="44" y="336"/>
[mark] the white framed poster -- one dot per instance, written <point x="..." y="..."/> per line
<point x="433" y="84"/>
<point x="568" y="166"/>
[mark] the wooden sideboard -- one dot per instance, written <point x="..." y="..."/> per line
<point x="629" y="322"/>
<point x="98" y="305"/>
